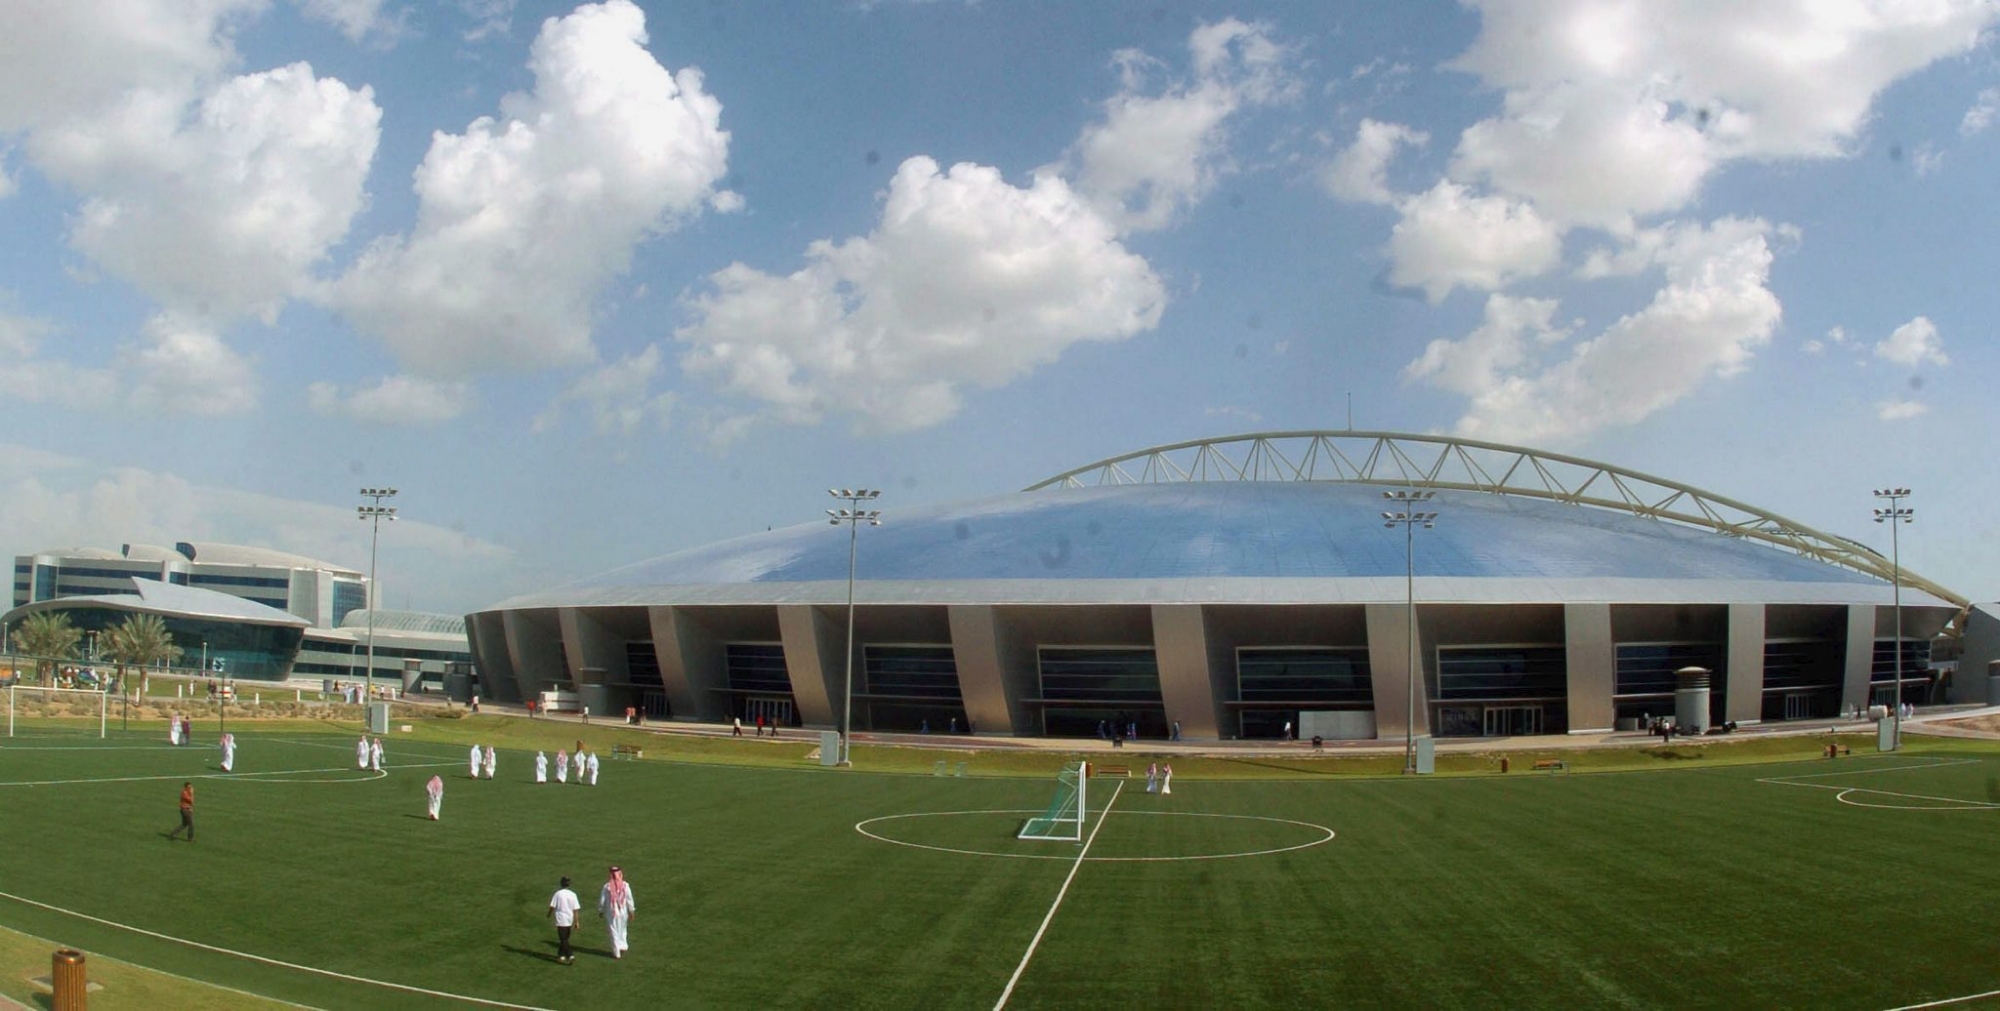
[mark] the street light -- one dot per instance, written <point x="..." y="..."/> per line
<point x="852" y="515"/>
<point x="374" y="513"/>
<point x="1409" y="519"/>
<point x="1896" y="513"/>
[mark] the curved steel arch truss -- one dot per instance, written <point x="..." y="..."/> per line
<point x="1436" y="461"/>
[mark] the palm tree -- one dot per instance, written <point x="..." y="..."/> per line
<point x="141" y="641"/>
<point x="47" y="636"/>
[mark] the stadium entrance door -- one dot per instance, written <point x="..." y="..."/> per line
<point x="776" y="711"/>
<point x="1513" y="721"/>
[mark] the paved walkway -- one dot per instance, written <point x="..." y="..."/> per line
<point x="1931" y="720"/>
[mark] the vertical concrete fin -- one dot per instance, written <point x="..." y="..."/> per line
<point x="1854" y="689"/>
<point x="1180" y="648"/>
<point x="1591" y="659"/>
<point x="1745" y="702"/>
<point x="1389" y="669"/>
<point x="979" y="652"/>
<point x="814" y="640"/>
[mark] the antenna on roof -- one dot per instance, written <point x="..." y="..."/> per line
<point x="1350" y="410"/>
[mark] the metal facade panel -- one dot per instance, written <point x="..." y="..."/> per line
<point x="1745" y="703"/>
<point x="814" y="643"/>
<point x="1187" y="684"/>
<point x="1590" y="657"/>
<point x="1860" y="655"/>
<point x="982" y="683"/>
<point x="1389" y="668"/>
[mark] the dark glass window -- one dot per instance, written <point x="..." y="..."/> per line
<point x="1502" y="673"/>
<point x="1795" y="666"/>
<point x="1304" y="677"/>
<point x="910" y="671"/>
<point x="757" y="667"/>
<point x="348" y="596"/>
<point x="268" y="582"/>
<point x="642" y="664"/>
<point x="1916" y="661"/>
<point x="45" y="582"/>
<point x="1100" y="675"/>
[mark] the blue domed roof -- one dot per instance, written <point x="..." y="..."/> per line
<point x="1226" y="530"/>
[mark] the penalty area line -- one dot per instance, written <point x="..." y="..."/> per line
<point x="279" y="963"/>
<point x="1057" y="904"/>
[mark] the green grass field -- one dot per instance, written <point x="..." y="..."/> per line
<point x="1708" y="882"/>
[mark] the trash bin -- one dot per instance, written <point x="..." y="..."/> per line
<point x="66" y="978"/>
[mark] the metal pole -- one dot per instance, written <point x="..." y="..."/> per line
<point x="368" y="673"/>
<point x="847" y="705"/>
<point x="1896" y="583"/>
<point x="1410" y="616"/>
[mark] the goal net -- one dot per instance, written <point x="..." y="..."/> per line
<point x="32" y="709"/>
<point x="1064" y="817"/>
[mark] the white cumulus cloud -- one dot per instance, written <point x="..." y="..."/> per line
<point x="1360" y="172"/>
<point x="1900" y="409"/>
<point x="525" y="220"/>
<point x="359" y="19"/>
<point x="394" y="400"/>
<point x="1154" y="155"/>
<point x="966" y="280"/>
<point x="61" y="60"/>
<point x="619" y="396"/>
<point x="181" y="365"/>
<point x="1449" y="238"/>
<point x="1914" y="343"/>
<point x="1980" y="116"/>
<point x="1713" y="311"/>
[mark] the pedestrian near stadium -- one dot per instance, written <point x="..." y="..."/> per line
<point x="562" y="909"/>
<point x="187" y="812"/>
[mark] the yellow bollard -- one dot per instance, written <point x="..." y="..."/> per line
<point x="66" y="978"/>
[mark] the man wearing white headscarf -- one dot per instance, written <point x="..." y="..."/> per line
<point x="591" y="765"/>
<point x="361" y="753"/>
<point x="562" y="766"/>
<point x="541" y="767"/>
<point x="615" y="904"/>
<point x="228" y="752"/>
<point x="492" y="758"/>
<point x="578" y="760"/>
<point x="375" y="755"/>
<point x="478" y="756"/>
<point x="434" y="795"/>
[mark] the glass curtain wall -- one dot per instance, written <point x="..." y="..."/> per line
<point x="1094" y="692"/>
<point x="910" y="689"/>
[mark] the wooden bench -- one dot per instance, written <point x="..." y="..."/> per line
<point x="1551" y="765"/>
<point x="1121" y="771"/>
<point x="627" y="751"/>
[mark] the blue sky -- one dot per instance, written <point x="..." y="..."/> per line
<point x="594" y="283"/>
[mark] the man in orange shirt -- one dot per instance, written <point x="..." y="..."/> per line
<point x="187" y="812"/>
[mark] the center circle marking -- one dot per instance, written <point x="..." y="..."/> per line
<point x="862" y="827"/>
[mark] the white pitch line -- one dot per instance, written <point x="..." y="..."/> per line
<point x="404" y="987"/>
<point x="1790" y="780"/>
<point x="1947" y="1001"/>
<point x="1057" y="904"/>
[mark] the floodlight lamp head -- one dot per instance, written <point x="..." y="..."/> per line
<point x="870" y="493"/>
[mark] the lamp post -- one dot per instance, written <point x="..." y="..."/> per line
<point x="1409" y="518"/>
<point x="375" y="512"/>
<point x="853" y="515"/>
<point x="1895" y="514"/>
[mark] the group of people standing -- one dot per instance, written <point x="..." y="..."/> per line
<point x="584" y="764"/>
<point x="180" y="729"/>
<point x="614" y="903"/>
<point x="1159" y="778"/>
<point x="368" y="754"/>
<point x="483" y="761"/>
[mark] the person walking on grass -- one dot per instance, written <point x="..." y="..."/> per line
<point x="590" y="766"/>
<point x="615" y="904"/>
<point x="1166" y="779"/>
<point x="375" y="754"/>
<point x="478" y="757"/>
<point x="562" y="909"/>
<point x="562" y="766"/>
<point x="434" y="796"/>
<point x="492" y="760"/>
<point x="541" y="767"/>
<point x="361" y="754"/>
<point x="187" y="812"/>
<point x="229" y="752"/>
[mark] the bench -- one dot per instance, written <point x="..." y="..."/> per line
<point x="1121" y="771"/>
<point x="1551" y="765"/>
<point x="627" y="751"/>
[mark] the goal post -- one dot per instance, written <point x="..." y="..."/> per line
<point x="1065" y="815"/>
<point x="64" y="710"/>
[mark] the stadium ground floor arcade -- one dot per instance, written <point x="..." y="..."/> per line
<point x="1210" y="671"/>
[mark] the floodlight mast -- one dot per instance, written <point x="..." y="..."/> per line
<point x="1409" y="519"/>
<point x="374" y="513"/>
<point x="852" y="515"/>
<point x="1897" y="513"/>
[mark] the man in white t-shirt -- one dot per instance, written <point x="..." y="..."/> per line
<point x="562" y="909"/>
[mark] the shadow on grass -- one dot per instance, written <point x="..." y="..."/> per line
<point x="546" y="956"/>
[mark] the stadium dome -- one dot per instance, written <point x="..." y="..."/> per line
<point x="1226" y="588"/>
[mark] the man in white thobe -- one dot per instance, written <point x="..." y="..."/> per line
<point x="492" y="759"/>
<point x="577" y="760"/>
<point x="615" y="904"/>
<point x="434" y="796"/>
<point x="541" y="767"/>
<point x="174" y="729"/>
<point x="478" y="756"/>
<point x="1166" y="779"/>
<point x="375" y="755"/>
<point x="591" y="765"/>
<point x="361" y="753"/>
<point x="228" y="752"/>
<point x="562" y="766"/>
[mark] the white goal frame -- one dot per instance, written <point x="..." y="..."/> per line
<point x="1063" y="821"/>
<point x="103" y="704"/>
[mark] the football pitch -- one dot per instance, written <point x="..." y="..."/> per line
<point x="1864" y="882"/>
